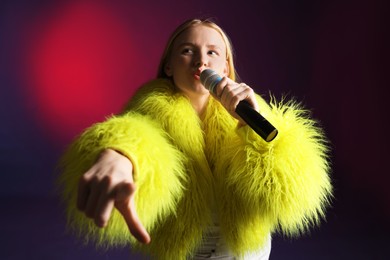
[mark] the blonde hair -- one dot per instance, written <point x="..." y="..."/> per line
<point x="181" y="28"/>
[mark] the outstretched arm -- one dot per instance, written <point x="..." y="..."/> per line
<point x="101" y="181"/>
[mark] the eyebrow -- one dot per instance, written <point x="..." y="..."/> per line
<point x="211" y="46"/>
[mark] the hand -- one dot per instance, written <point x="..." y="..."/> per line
<point x="230" y="93"/>
<point x="108" y="184"/>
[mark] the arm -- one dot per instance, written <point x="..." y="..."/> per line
<point x="157" y="170"/>
<point x="285" y="181"/>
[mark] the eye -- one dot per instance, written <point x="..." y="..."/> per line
<point x="187" y="51"/>
<point x="213" y="52"/>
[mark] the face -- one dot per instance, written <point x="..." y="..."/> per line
<point x="197" y="48"/>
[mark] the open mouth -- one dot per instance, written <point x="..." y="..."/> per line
<point x="197" y="75"/>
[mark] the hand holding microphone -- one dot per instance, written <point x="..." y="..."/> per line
<point x="257" y="122"/>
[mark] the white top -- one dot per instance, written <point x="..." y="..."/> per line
<point x="214" y="247"/>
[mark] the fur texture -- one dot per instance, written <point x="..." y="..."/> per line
<point x="185" y="167"/>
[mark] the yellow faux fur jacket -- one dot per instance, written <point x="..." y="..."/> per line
<point x="184" y="166"/>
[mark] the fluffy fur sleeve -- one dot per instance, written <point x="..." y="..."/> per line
<point x="158" y="174"/>
<point x="285" y="183"/>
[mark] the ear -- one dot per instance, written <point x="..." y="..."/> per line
<point x="168" y="70"/>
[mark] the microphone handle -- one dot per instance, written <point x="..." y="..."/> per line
<point x="256" y="121"/>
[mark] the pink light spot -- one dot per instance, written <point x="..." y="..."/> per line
<point x="79" y="67"/>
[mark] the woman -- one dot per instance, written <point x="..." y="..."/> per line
<point x="189" y="178"/>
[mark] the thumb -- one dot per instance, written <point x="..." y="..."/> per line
<point x="125" y="204"/>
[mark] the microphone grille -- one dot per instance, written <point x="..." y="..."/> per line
<point x="209" y="79"/>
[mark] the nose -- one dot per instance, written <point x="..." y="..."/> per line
<point x="200" y="60"/>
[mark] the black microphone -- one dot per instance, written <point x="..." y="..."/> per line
<point x="257" y="122"/>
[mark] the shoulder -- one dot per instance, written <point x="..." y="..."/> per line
<point x="158" y="87"/>
<point x="151" y="92"/>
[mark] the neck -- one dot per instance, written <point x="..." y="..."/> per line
<point x="200" y="105"/>
<point x="198" y="99"/>
<point x="199" y="102"/>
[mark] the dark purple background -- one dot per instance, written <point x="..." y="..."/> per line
<point x="331" y="55"/>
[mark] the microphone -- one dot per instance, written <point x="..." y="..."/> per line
<point x="257" y="122"/>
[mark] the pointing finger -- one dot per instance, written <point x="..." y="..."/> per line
<point x="126" y="206"/>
